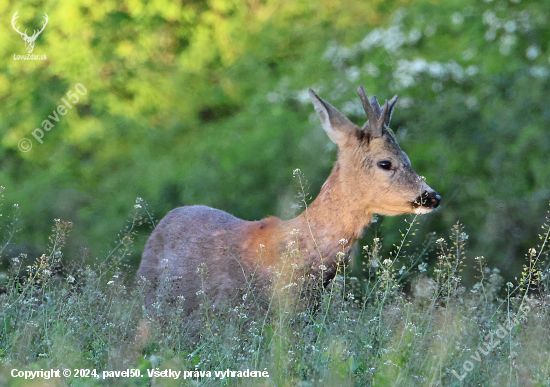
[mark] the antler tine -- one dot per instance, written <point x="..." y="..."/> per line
<point x="383" y="113"/>
<point x="366" y="104"/>
<point x="388" y="110"/>
<point x="376" y="106"/>
<point x="13" y="19"/>
<point x="43" y="26"/>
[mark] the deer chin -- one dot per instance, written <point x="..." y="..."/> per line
<point x="421" y="210"/>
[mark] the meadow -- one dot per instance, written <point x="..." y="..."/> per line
<point x="404" y="323"/>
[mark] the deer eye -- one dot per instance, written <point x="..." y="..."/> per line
<point x="385" y="165"/>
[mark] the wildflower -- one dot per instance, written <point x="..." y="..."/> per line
<point x="532" y="52"/>
<point x="289" y="286"/>
<point x="457" y="18"/>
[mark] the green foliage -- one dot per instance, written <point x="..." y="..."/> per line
<point x="203" y="102"/>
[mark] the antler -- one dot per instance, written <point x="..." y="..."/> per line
<point x="23" y="34"/>
<point x="35" y="34"/>
<point x="378" y="118"/>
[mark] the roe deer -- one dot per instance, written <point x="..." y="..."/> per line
<point x="371" y="176"/>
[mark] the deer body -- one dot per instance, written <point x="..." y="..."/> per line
<point x="372" y="176"/>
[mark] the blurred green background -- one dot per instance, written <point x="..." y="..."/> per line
<point x="205" y="102"/>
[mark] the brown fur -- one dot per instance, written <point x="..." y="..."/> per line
<point x="234" y="250"/>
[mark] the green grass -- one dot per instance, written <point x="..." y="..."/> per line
<point x="358" y="333"/>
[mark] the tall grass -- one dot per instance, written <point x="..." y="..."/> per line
<point x="354" y="332"/>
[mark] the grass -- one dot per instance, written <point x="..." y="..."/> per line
<point x="359" y="333"/>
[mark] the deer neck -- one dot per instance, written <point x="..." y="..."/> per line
<point x="331" y="224"/>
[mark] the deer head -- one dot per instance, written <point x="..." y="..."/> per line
<point x="374" y="172"/>
<point x="29" y="40"/>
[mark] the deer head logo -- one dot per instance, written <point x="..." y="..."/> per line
<point x="29" y="40"/>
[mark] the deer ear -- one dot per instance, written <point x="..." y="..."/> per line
<point x="337" y="126"/>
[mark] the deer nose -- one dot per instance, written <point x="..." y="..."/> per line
<point x="429" y="199"/>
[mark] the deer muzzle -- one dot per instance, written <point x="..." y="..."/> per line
<point x="428" y="200"/>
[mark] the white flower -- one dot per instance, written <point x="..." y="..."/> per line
<point x="510" y="26"/>
<point x="457" y="18"/>
<point x="539" y="71"/>
<point x="532" y="52"/>
<point x="472" y="70"/>
<point x="289" y="286"/>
